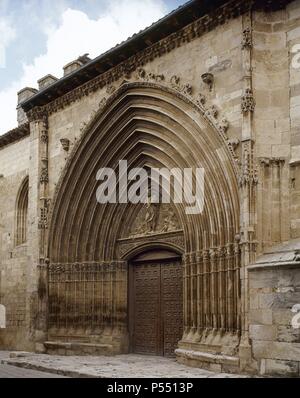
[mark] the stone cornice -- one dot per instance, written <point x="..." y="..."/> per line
<point x="14" y="135"/>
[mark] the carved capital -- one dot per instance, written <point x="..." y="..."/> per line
<point x="37" y="114"/>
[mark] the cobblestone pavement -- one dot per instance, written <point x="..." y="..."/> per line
<point x="121" y="366"/>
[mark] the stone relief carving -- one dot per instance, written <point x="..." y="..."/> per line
<point x="44" y="177"/>
<point x="102" y="103"/>
<point x="182" y="88"/>
<point x="44" y="131"/>
<point x="248" y="101"/>
<point x="82" y="126"/>
<point x="154" y="219"/>
<point x="142" y="74"/>
<point x="201" y="100"/>
<point x="150" y="218"/>
<point x="247" y="39"/>
<point x="249" y="172"/>
<point x="223" y="126"/>
<point x="212" y="113"/>
<point x="170" y="222"/>
<point x="44" y="212"/>
<point x="110" y="89"/>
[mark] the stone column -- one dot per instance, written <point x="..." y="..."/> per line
<point x="38" y="225"/>
<point x="247" y="182"/>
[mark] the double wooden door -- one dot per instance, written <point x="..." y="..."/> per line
<point x="156" y="307"/>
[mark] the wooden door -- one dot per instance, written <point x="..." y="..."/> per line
<point x="157" y="301"/>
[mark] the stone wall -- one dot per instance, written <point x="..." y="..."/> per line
<point x="274" y="285"/>
<point x="14" y="167"/>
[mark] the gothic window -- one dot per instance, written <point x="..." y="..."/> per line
<point x="21" y="214"/>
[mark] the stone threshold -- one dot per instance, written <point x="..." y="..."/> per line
<point x="77" y="348"/>
<point x="66" y="345"/>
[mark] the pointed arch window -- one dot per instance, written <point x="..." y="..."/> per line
<point x="22" y="213"/>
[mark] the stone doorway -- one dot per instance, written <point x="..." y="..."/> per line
<point x="156" y="304"/>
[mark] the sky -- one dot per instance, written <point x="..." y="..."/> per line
<point x="39" y="37"/>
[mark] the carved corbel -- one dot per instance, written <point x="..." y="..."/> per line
<point x="65" y="143"/>
<point x="208" y="79"/>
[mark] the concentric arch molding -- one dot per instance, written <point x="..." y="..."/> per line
<point x="207" y="113"/>
<point x="203" y="117"/>
<point x="128" y="246"/>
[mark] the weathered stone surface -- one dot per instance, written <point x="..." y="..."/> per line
<point x="276" y="350"/>
<point x="263" y="332"/>
<point x="261" y="317"/>
<point x="288" y="334"/>
<point x="280" y="368"/>
<point x="124" y="366"/>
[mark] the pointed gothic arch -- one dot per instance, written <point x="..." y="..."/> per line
<point x="22" y="213"/>
<point x="150" y="126"/>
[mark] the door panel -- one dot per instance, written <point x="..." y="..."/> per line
<point x="172" y="306"/>
<point x="146" y="309"/>
<point x="158" y="307"/>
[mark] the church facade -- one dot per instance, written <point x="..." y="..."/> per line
<point x="216" y="85"/>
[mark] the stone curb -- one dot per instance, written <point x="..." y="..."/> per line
<point x="40" y="368"/>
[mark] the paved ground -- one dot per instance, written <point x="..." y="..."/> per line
<point x="12" y="372"/>
<point x="121" y="366"/>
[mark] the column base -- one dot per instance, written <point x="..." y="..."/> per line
<point x="214" y="351"/>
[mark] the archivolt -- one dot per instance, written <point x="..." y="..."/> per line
<point x="146" y="124"/>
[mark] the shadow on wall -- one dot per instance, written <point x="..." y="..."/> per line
<point x="2" y="317"/>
